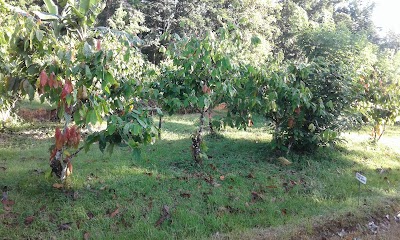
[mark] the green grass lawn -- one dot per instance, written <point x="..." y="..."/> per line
<point x="240" y="187"/>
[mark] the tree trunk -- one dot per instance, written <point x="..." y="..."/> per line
<point x="197" y="140"/>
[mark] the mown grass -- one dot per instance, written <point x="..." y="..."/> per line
<point x="239" y="187"/>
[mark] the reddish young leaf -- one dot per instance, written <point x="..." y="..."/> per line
<point x="291" y="122"/>
<point x="53" y="154"/>
<point x="98" y="45"/>
<point x="297" y="110"/>
<point x="60" y="140"/>
<point x="67" y="89"/>
<point x="52" y="81"/>
<point x="43" y="78"/>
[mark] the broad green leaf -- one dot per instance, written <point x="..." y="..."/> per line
<point x="51" y="6"/>
<point x="84" y="6"/>
<point x="46" y="16"/>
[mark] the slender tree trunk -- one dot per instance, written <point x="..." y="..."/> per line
<point x="159" y="127"/>
<point x="210" y="125"/>
<point x="197" y="140"/>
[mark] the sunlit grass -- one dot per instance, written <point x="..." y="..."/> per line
<point x="239" y="187"/>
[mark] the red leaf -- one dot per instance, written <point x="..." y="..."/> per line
<point x="98" y="45"/>
<point x="43" y="78"/>
<point x="52" y="81"/>
<point x="67" y="89"/>
<point x="29" y="220"/>
<point x="284" y="211"/>
<point x="59" y="139"/>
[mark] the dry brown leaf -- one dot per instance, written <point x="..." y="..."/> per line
<point x="284" y="161"/>
<point x="29" y="220"/>
<point x="113" y="214"/>
<point x="164" y="215"/>
<point x="222" y="177"/>
<point x="58" y="185"/>
<point x="65" y="226"/>
<point x="86" y="236"/>
<point x="186" y="195"/>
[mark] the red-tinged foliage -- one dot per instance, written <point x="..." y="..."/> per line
<point x="43" y="78"/>
<point x="98" y="45"/>
<point x="60" y="140"/>
<point x="290" y="122"/>
<point x="53" y="154"/>
<point x="52" y="81"/>
<point x="297" y="110"/>
<point x="67" y="89"/>
<point x="73" y="136"/>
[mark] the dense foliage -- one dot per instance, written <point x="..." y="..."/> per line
<point x="311" y="68"/>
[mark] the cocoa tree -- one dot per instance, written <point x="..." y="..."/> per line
<point x="93" y="74"/>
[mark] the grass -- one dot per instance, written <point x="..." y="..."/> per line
<point x="241" y="186"/>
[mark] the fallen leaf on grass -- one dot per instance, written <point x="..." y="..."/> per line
<point x="284" y="211"/>
<point x="250" y="175"/>
<point x="58" y="185"/>
<point x="90" y="215"/>
<point x="284" y="161"/>
<point x="164" y="216"/>
<point x="222" y="177"/>
<point x="114" y="213"/>
<point x="272" y="187"/>
<point x="256" y="197"/>
<point x="65" y="226"/>
<point x="29" y="220"/>
<point x="7" y="204"/>
<point x="86" y="236"/>
<point x="149" y="174"/>
<point x="186" y="195"/>
<point x="3" y="168"/>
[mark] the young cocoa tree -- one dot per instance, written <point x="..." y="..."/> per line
<point x="197" y="76"/>
<point x="93" y="74"/>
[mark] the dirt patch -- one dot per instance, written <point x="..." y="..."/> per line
<point x="383" y="222"/>
<point x="38" y="114"/>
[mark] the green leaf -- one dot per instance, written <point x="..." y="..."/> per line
<point x="45" y="16"/>
<point x="51" y="7"/>
<point x="87" y="50"/>
<point x="84" y="6"/>
<point x="91" y="117"/>
<point x="143" y="124"/>
<point x="39" y="35"/>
